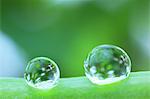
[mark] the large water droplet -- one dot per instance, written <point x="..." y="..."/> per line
<point x="106" y="64"/>
<point x="42" y="73"/>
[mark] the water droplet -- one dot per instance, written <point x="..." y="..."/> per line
<point x="42" y="73"/>
<point x="106" y="64"/>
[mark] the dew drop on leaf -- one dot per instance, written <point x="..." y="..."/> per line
<point x="42" y="73"/>
<point x="106" y="64"/>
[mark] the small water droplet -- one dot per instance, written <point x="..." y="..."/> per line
<point x="106" y="64"/>
<point x="38" y="76"/>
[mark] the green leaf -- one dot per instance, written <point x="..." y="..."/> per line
<point x="137" y="86"/>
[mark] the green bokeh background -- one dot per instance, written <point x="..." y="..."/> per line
<point x="67" y="30"/>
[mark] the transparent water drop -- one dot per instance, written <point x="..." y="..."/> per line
<point x="106" y="64"/>
<point x="42" y="73"/>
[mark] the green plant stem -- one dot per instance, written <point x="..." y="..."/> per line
<point x="137" y="86"/>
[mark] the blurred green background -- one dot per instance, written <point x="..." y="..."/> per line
<point x="67" y="30"/>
